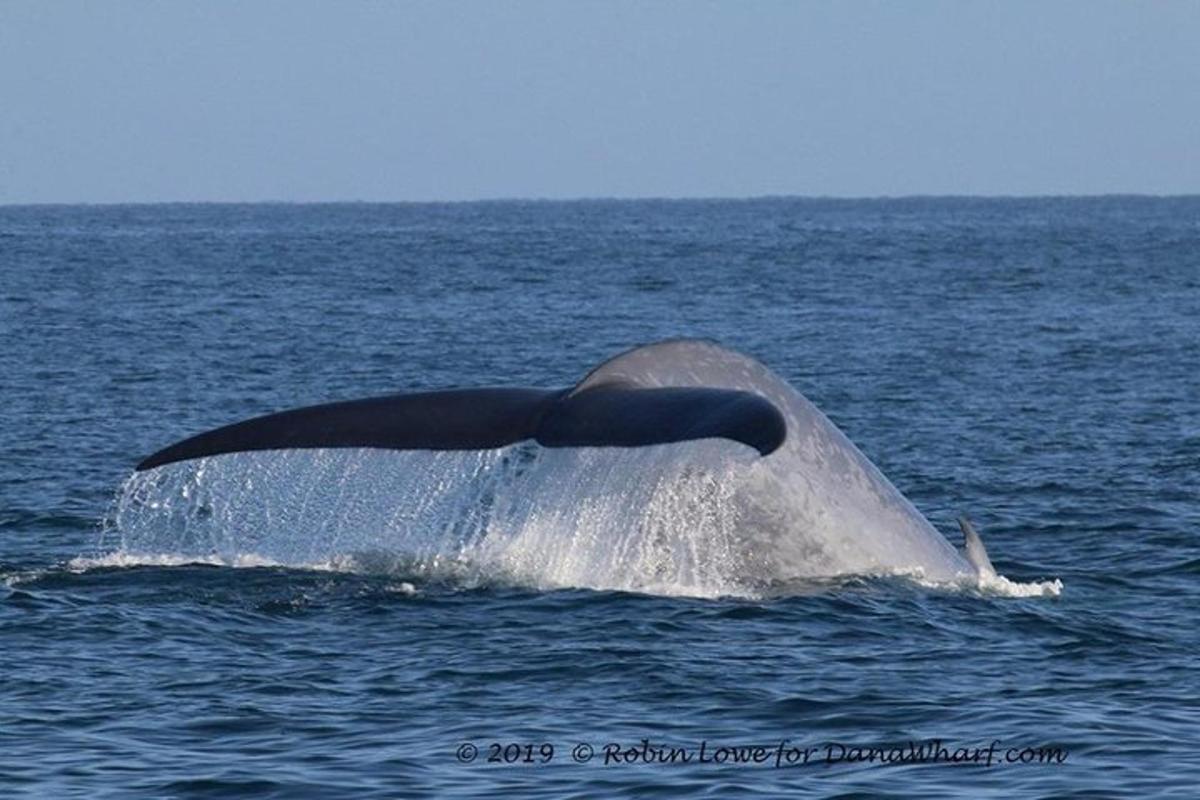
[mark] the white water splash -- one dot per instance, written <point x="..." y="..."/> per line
<point x="123" y="558"/>
<point x="633" y="519"/>
<point x="669" y="520"/>
<point x="1003" y="587"/>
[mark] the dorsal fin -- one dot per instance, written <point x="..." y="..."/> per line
<point x="973" y="549"/>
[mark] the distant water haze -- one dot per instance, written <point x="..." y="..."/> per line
<point x="313" y="101"/>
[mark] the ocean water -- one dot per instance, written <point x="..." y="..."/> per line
<point x="255" y="625"/>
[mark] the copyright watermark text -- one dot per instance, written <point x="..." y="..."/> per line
<point x="776" y="755"/>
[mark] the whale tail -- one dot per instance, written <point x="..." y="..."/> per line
<point x="973" y="549"/>
<point x="607" y="409"/>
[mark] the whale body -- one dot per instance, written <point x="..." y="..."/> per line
<point x="798" y="499"/>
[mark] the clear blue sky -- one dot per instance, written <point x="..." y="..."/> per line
<point x="150" y="101"/>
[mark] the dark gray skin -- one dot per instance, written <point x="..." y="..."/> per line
<point x="618" y="414"/>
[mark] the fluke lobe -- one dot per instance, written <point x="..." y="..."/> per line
<point x="600" y="411"/>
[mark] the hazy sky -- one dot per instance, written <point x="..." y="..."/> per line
<point x="147" y="101"/>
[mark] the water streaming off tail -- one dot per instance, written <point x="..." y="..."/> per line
<point x="657" y="519"/>
<point x="707" y="517"/>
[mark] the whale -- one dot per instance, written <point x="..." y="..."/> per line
<point x="804" y="500"/>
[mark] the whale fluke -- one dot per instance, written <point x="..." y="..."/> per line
<point x="596" y="507"/>
<point x="617" y="414"/>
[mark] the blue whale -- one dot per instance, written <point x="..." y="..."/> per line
<point x="806" y="501"/>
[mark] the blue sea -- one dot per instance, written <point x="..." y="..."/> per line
<point x="1033" y="363"/>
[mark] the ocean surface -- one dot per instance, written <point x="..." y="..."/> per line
<point x="267" y="625"/>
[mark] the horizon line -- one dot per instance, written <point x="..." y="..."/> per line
<point x="610" y="199"/>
